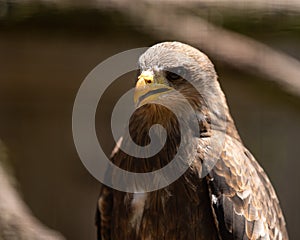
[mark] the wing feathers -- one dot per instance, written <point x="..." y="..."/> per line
<point x="246" y="206"/>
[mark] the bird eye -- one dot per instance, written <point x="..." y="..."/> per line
<point x="175" y="73"/>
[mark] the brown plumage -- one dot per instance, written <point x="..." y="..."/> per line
<point x="234" y="200"/>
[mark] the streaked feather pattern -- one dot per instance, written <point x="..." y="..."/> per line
<point x="235" y="200"/>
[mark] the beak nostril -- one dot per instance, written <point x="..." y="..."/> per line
<point x="145" y="78"/>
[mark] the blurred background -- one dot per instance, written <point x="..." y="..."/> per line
<point x="48" y="47"/>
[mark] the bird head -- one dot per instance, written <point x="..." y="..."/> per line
<point x="173" y="73"/>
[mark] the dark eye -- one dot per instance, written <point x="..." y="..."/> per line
<point x="172" y="76"/>
<point x="175" y="73"/>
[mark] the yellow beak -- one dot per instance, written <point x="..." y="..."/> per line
<point x="149" y="88"/>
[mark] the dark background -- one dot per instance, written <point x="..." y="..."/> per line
<point x="46" y="52"/>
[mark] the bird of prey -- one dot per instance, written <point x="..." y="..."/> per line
<point x="234" y="200"/>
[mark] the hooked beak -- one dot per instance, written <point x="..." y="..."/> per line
<point x="149" y="88"/>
